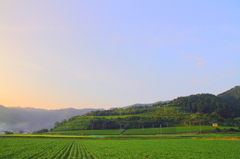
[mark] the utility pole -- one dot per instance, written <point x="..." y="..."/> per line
<point x="200" y="128"/>
<point x="161" y="129"/>
<point x="92" y="129"/>
<point x="119" y="129"/>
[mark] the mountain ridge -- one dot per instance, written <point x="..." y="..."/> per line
<point x="140" y="104"/>
<point x="32" y="118"/>
<point x="232" y="94"/>
<point x="17" y="118"/>
<point x="194" y="109"/>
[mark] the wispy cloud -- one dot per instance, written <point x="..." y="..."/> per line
<point x="199" y="61"/>
<point x="209" y="79"/>
<point x="21" y="62"/>
<point x="36" y="25"/>
<point x="30" y="65"/>
<point x="193" y="57"/>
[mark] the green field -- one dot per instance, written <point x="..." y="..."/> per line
<point x="89" y="132"/>
<point x="171" y="130"/>
<point x="141" y="131"/>
<point x="117" y="116"/>
<point x="219" y="136"/>
<point x="18" y="148"/>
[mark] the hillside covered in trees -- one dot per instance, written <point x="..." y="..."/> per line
<point x="199" y="109"/>
<point x="232" y="95"/>
<point x="208" y="104"/>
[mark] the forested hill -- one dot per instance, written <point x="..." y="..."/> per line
<point x="232" y="95"/>
<point x="208" y="104"/>
<point x="194" y="109"/>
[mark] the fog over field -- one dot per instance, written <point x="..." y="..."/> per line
<point x="31" y="119"/>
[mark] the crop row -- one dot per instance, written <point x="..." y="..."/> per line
<point x="74" y="149"/>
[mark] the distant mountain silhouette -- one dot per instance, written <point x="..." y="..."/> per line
<point x="17" y="118"/>
<point x="140" y="104"/>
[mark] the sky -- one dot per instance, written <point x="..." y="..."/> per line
<point x="102" y="53"/>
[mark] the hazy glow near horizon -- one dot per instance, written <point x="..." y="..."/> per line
<point x="102" y="54"/>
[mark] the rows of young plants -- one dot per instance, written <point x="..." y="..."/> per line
<point x="20" y="148"/>
<point x="170" y="148"/>
<point x="74" y="149"/>
<point x="30" y="148"/>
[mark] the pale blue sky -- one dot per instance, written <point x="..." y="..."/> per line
<point x="102" y="54"/>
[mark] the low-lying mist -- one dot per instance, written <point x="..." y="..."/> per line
<point x="21" y="119"/>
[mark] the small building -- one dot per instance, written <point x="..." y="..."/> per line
<point x="214" y="124"/>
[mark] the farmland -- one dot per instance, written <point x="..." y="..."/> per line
<point x="170" y="130"/>
<point x="165" y="148"/>
<point x="142" y="131"/>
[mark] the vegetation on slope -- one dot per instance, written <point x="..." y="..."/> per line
<point x="212" y="105"/>
<point x="203" y="109"/>
<point x="232" y="95"/>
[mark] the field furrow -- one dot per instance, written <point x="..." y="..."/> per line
<point x="26" y="148"/>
